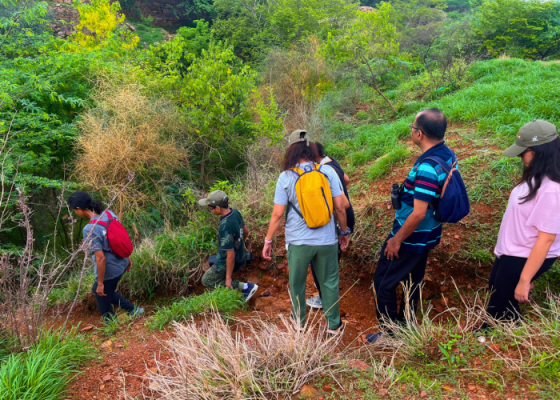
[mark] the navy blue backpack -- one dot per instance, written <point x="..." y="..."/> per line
<point x="454" y="201"/>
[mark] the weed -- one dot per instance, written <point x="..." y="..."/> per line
<point x="44" y="371"/>
<point x="223" y="300"/>
<point x="258" y="360"/>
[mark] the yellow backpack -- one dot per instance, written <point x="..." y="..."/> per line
<point x="314" y="197"/>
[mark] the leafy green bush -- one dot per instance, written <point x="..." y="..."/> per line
<point x="224" y="300"/>
<point x="44" y="371"/>
<point x="166" y="262"/>
<point x="67" y="292"/>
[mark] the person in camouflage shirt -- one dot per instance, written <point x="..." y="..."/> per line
<point x="232" y="232"/>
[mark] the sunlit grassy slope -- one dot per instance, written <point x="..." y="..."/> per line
<point x="501" y="97"/>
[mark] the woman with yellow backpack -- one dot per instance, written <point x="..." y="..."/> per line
<point x="311" y="195"/>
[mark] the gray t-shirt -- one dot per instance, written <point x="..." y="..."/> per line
<point x="297" y="232"/>
<point x="115" y="266"/>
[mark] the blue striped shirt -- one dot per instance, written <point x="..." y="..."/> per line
<point x="424" y="182"/>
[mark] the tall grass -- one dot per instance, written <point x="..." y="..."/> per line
<point x="503" y="96"/>
<point x="223" y="300"/>
<point x="44" y="371"/>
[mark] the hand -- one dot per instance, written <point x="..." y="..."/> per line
<point x="129" y="265"/>
<point x="228" y="283"/>
<point x="344" y="242"/>
<point x="100" y="290"/>
<point x="267" y="251"/>
<point x="392" y="249"/>
<point x="522" y="291"/>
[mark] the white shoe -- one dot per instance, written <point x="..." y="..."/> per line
<point x="315" y="302"/>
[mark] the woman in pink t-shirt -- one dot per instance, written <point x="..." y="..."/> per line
<point x="529" y="238"/>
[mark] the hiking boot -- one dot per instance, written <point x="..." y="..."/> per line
<point x="372" y="337"/>
<point x="315" y="302"/>
<point x="250" y="291"/>
<point x="137" y="312"/>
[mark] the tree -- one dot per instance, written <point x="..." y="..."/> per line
<point x="519" y="28"/>
<point x="368" y="48"/>
<point x="196" y="39"/>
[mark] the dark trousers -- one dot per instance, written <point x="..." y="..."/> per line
<point x="388" y="276"/>
<point x="317" y="285"/>
<point x="105" y="303"/>
<point x="504" y="278"/>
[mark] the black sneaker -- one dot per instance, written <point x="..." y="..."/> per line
<point x="250" y="291"/>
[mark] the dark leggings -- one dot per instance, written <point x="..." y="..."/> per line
<point x="315" y="275"/>
<point x="504" y="278"/>
<point x="105" y="303"/>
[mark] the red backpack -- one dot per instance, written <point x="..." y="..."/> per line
<point x="117" y="236"/>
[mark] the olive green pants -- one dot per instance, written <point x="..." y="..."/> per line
<point x="325" y="262"/>
<point x="215" y="279"/>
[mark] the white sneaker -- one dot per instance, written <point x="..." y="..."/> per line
<point x="315" y="302"/>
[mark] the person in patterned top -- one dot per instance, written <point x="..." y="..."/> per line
<point x="232" y="256"/>
<point x="415" y="231"/>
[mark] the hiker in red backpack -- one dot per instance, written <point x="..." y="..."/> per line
<point x="110" y="247"/>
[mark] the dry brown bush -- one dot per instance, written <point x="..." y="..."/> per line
<point x="258" y="360"/>
<point x="128" y="132"/>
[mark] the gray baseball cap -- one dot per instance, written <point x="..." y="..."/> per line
<point x="299" y="135"/>
<point x="532" y="134"/>
<point x="217" y="198"/>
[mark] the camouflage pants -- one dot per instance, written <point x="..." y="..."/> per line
<point x="213" y="279"/>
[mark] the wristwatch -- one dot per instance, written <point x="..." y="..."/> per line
<point x="348" y="231"/>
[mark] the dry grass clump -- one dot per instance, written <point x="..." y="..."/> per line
<point x="257" y="360"/>
<point x="127" y="132"/>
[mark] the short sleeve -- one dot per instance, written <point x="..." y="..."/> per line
<point x="426" y="184"/>
<point x="545" y="215"/>
<point x="95" y="241"/>
<point x="281" y="194"/>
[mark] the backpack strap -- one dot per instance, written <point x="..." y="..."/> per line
<point x="441" y="162"/>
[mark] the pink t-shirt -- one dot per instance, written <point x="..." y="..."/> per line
<point x="522" y="222"/>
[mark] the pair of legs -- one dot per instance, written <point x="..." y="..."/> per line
<point x="105" y="303"/>
<point x="317" y="284"/>
<point x="213" y="279"/>
<point x="504" y="278"/>
<point x="410" y="268"/>
<point x="325" y="263"/>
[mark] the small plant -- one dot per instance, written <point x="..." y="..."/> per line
<point x="110" y="326"/>
<point x="44" y="371"/>
<point x="223" y="300"/>
<point x="447" y="349"/>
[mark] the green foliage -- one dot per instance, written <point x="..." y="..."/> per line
<point x="503" y="95"/>
<point x="198" y="38"/>
<point x="384" y="164"/>
<point x="67" y="290"/>
<point x="148" y="33"/>
<point x="368" y="48"/>
<point x="224" y="300"/>
<point x="167" y="261"/>
<point x="44" y="371"/>
<point x="519" y="28"/>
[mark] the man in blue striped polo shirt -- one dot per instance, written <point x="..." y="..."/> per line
<point x="415" y="231"/>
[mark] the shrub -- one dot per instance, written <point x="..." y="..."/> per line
<point x="67" y="291"/>
<point x="45" y="370"/>
<point x="222" y="300"/>
<point x="128" y="133"/>
<point x="167" y="262"/>
<point x="258" y="360"/>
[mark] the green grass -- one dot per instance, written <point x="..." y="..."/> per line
<point x="385" y="163"/>
<point x="148" y="34"/>
<point x="67" y="292"/>
<point x="45" y="370"/>
<point x="224" y="300"/>
<point x="503" y="96"/>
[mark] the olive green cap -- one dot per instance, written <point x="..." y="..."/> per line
<point x="217" y="198"/>
<point x="299" y="135"/>
<point x="534" y="133"/>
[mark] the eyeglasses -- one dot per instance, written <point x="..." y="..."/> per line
<point x="411" y="127"/>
